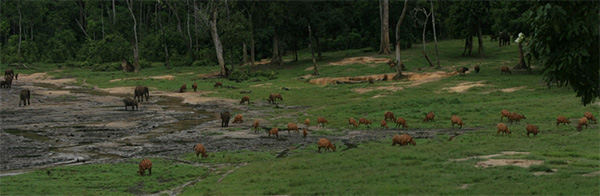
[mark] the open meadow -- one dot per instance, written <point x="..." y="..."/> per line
<point x="77" y="139"/>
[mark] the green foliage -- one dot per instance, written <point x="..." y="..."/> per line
<point x="239" y="75"/>
<point x="565" y="41"/>
<point x="110" y="49"/>
<point x="179" y="60"/>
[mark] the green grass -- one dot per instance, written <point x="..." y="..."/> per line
<point x="376" y="167"/>
<point x="101" y="179"/>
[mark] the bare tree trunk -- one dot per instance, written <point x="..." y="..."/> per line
<point x="196" y="28"/>
<point x="189" y="43"/>
<point x="217" y="41"/>
<point x="312" y="51"/>
<point x="164" y="39"/>
<point x="318" y="47"/>
<point x="114" y="13"/>
<point x="480" y="40"/>
<point x="275" y="58"/>
<point x="521" y="64"/>
<point x="252" y="55"/>
<point x="20" y="32"/>
<point x="468" y="44"/>
<point x="245" y="51"/>
<point x="385" y="28"/>
<point x="174" y="10"/>
<point x="136" y="58"/>
<point x="437" y="56"/>
<point x="102" y="18"/>
<point x="398" y="56"/>
<point x="424" y="29"/>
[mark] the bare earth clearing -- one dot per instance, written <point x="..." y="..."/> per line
<point x="67" y="124"/>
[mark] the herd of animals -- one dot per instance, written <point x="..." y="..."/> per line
<point x="141" y="92"/>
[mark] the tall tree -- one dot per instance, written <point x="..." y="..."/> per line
<point x="424" y="21"/>
<point x="437" y="56"/>
<point x="207" y="13"/>
<point x="312" y="51"/>
<point x="136" y="57"/>
<point x="162" y="32"/>
<point x="385" y="27"/>
<point x="398" y="56"/>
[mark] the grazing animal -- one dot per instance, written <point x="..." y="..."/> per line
<point x="352" y="122"/>
<point x="25" y="95"/>
<point x="364" y="121"/>
<point x="429" y="117"/>
<point x="402" y="122"/>
<point x="477" y="68"/>
<point x="392" y="64"/>
<point x="463" y="70"/>
<point x="274" y="96"/>
<point x="371" y="81"/>
<point x="590" y="117"/>
<point x="403" y="140"/>
<point x="304" y="132"/>
<point x="274" y="131"/>
<point x="324" y="143"/>
<point x="9" y="72"/>
<point x="505" y="70"/>
<point x="516" y="117"/>
<point x="307" y="122"/>
<point x="582" y="121"/>
<point x="218" y="84"/>
<point x="194" y="86"/>
<point x="389" y="115"/>
<point x="200" y="150"/>
<point x="384" y="124"/>
<point x="8" y="81"/>
<point x="504" y="113"/>
<point x="503" y="38"/>
<point x="563" y="120"/>
<point x="140" y="92"/>
<point x="238" y="119"/>
<point x="292" y="126"/>
<point x="532" y="129"/>
<point x="503" y="128"/>
<point x="182" y="88"/>
<point x="225" y="116"/>
<point x="322" y="121"/>
<point x="245" y="99"/>
<point x="130" y="102"/>
<point x="456" y="120"/>
<point x="255" y="126"/>
<point x="145" y="164"/>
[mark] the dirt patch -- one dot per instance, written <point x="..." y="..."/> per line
<point x="165" y="77"/>
<point x="210" y="75"/>
<point x="510" y="90"/>
<point x="360" y="60"/>
<point x="492" y="155"/>
<point x="464" y="186"/>
<point x="462" y="87"/>
<point x="547" y="172"/>
<point x="503" y="162"/>
<point x="387" y="88"/>
<point x="414" y="78"/>
<point x="259" y="85"/>
<point x="307" y="76"/>
<point x="120" y="90"/>
<point x="591" y="174"/>
<point x="43" y="78"/>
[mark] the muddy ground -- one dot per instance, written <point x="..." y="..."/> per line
<point x="68" y="124"/>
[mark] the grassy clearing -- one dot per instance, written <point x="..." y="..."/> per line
<point x="378" y="168"/>
<point x="101" y="179"/>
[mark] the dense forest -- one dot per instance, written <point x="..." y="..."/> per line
<point x="562" y="36"/>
